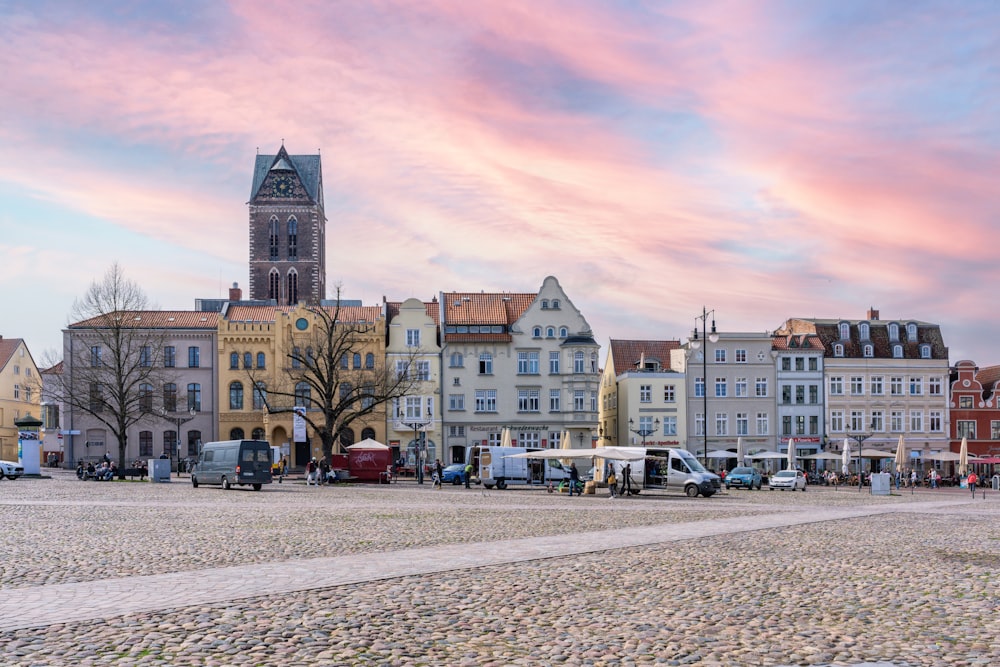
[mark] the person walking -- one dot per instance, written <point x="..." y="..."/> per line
<point x="574" y="479"/>
<point x="626" y="488"/>
<point x="609" y="477"/>
<point x="972" y="479"/>
<point x="438" y="473"/>
<point x="468" y="474"/>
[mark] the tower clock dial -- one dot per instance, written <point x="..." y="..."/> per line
<point x="282" y="186"/>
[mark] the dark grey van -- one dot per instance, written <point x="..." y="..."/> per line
<point x="232" y="462"/>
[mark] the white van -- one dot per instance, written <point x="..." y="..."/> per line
<point x="492" y="467"/>
<point x="666" y="468"/>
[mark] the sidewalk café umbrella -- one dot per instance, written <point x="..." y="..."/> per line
<point x="566" y="444"/>
<point x="721" y="454"/>
<point x="791" y="454"/>
<point x="846" y="456"/>
<point x="900" y="454"/>
<point x="767" y="455"/>
<point x="741" y="451"/>
<point x="876" y="454"/>
<point x="963" y="457"/>
<point x="945" y="456"/>
<point x="367" y="443"/>
<point x="823" y="456"/>
<point x="505" y="438"/>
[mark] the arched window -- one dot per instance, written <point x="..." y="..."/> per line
<point x="302" y="394"/>
<point x="296" y="357"/>
<point x="293" y="287"/>
<point x="234" y="360"/>
<point x="346" y="437"/>
<point x="563" y="332"/>
<point x="550" y="332"/>
<point x="170" y="397"/>
<point x="345" y="363"/>
<point x="310" y="359"/>
<point x="236" y="434"/>
<point x="869" y="351"/>
<point x="897" y="351"/>
<point x="145" y="397"/>
<point x="235" y="395"/>
<point x="247" y="360"/>
<point x="555" y="304"/>
<point x="911" y="332"/>
<point x="545" y="304"/>
<point x="367" y="432"/>
<point x="845" y="330"/>
<point x="258" y="433"/>
<point x="260" y="360"/>
<point x="357" y="360"/>
<point x="893" y="331"/>
<point x="838" y="350"/>
<point x="259" y="395"/>
<point x="863" y="331"/>
<point x="345" y="390"/>
<point x="293" y="238"/>
<point x="536" y="332"/>
<point x="369" y="362"/>
<point x="273" y="233"/>
<point x="273" y="285"/>
<point x="925" y="351"/>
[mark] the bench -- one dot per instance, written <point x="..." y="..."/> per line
<point x="132" y="473"/>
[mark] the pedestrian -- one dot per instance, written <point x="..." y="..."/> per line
<point x="468" y="474"/>
<point x="972" y="479"/>
<point x="626" y="488"/>
<point x="284" y="466"/>
<point x="574" y="479"/>
<point x="438" y="473"/>
<point x="611" y="480"/>
<point x="311" y="471"/>
<point x="913" y="478"/>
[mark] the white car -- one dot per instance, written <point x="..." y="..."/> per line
<point x="788" y="479"/>
<point x="10" y="469"/>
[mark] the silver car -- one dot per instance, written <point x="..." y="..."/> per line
<point x="788" y="479"/>
<point x="10" y="469"/>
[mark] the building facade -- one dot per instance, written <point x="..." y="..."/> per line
<point x="800" y="400"/>
<point x="974" y="409"/>
<point x="523" y="361"/>
<point x="20" y="392"/>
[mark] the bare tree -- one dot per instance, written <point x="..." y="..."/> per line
<point x="116" y="358"/>
<point x="318" y="375"/>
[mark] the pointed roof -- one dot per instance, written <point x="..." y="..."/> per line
<point x="307" y="167"/>
<point x="7" y="348"/>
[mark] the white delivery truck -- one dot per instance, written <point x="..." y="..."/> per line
<point x="492" y="466"/>
<point x="664" y="468"/>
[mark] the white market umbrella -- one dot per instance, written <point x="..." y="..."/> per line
<point x="767" y="455"/>
<point x="846" y="457"/>
<point x="741" y="452"/>
<point x="945" y="456"/>
<point x="963" y="457"/>
<point x="822" y="456"/>
<point x="566" y="444"/>
<point x="367" y="443"/>
<point x="876" y="454"/>
<point x="900" y="454"/>
<point x="720" y="454"/>
<point x="505" y="438"/>
<point x="791" y="454"/>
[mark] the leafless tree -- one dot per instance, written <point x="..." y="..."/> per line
<point x="318" y="375"/>
<point x="115" y="362"/>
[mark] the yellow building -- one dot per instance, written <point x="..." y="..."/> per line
<point x="20" y="392"/>
<point x="263" y="353"/>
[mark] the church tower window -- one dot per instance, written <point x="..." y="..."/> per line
<point x="293" y="287"/>
<point x="293" y="239"/>
<point x="273" y="240"/>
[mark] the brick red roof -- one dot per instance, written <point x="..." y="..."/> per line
<point x="483" y="308"/>
<point x="798" y="341"/>
<point x="155" y="319"/>
<point x="7" y="348"/>
<point x="988" y="376"/>
<point x="627" y="354"/>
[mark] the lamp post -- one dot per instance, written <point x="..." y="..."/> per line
<point x="643" y="432"/>
<point x="706" y="337"/>
<point x="416" y="425"/>
<point x="860" y="438"/>
<point x="178" y="420"/>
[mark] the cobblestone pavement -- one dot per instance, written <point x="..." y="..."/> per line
<point x="139" y="573"/>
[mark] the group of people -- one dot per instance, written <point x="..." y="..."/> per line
<point x="319" y="472"/>
<point x="103" y="472"/>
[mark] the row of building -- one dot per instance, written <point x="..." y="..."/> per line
<point x="529" y="362"/>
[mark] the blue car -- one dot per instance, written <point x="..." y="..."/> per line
<point x="744" y="477"/>
<point x="455" y="473"/>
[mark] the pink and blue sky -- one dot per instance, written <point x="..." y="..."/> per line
<point x="765" y="159"/>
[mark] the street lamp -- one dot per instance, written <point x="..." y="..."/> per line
<point x="643" y="431"/>
<point x="860" y="438"/>
<point x="695" y="344"/>
<point x="416" y="425"/>
<point x="178" y="419"/>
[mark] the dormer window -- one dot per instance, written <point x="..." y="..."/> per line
<point x="925" y="351"/>
<point x="838" y="350"/>
<point x="893" y="332"/>
<point x="845" y="331"/>
<point x="897" y="351"/>
<point x="864" y="331"/>
<point x="911" y="331"/>
<point x="868" y="351"/>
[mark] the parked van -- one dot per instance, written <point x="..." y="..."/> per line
<point x="667" y="468"/>
<point x="492" y="467"/>
<point x="232" y="462"/>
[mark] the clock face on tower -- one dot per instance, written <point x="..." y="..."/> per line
<point x="282" y="186"/>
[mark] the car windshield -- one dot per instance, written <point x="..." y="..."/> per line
<point x="786" y="473"/>
<point x="692" y="463"/>
<point x="742" y="471"/>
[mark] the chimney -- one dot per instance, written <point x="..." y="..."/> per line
<point x="872" y="314"/>
<point x="235" y="293"/>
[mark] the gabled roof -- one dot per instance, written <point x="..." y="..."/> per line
<point x="307" y="167"/>
<point x="627" y="354"/>
<point x="431" y="307"/>
<point x="988" y="376"/>
<point x="7" y="348"/>
<point x="155" y="319"/>
<point x="799" y="341"/>
<point x="483" y="308"/>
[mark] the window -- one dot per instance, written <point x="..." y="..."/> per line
<point x="699" y="387"/>
<point x="845" y="330"/>
<point x="916" y="421"/>
<point x="877" y="388"/>
<point x="966" y="428"/>
<point x="402" y="369"/>
<point x="763" y="425"/>
<point x="837" y="421"/>
<point x="95" y="356"/>
<point x="529" y="439"/>
<point x="536" y="332"/>
<point x="857" y="385"/>
<point x="742" y="423"/>
<point x="813" y="394"/>
<point x="527" y="400"/>
<point x="527" y="363"/>
<point x="273" y="233"/>
<point x="813" y="425"/>
<point x="800" y="425"/>
<point x="786" y="425"/>
<point x="838" y="350"/>
<point x="303" y="395"/>
<point x="194" y="396"/>
<point x="145" y="356"/>
<point x="670" y="426"/>
<point x="413" y="338"/>
<point x="486" y="364"/>
<point x="545" y="304"/>
<point x="293" y="287"/>
<point x="259" y="395"/>
<point x="741" y="388"/>
<point x="761" y="387"/>
<point x="456" y="360"/>
<point x="578" y="362"/>
<point x="836" y="386"/>
<point x="293" y="239"/>
<point x="800" y="364"/>
<point x="297" y="357"/>
<point x="554" y="402"/>
<point x="423" y="370"/>
<point x="456" y="431"/>
<point x="911" y="332"/>
<point x="260" y="360"/>
<point x="720" y="355"/>
<point x="965" y="402"/>
<point x="934" y="421"/>
<point x="145" y="397"/>
<point x="553" y="363"/>
<point x="17" y="392"/>
<point x="579" y="400"/>
<point x="357" y="360"/>
<point x="721" y="388"/>
<point x="646" y="393"/>
<point x="486" y="400"/>
<point x="194" y="357"/>
<point x="234" y="361"/>
<point x="916" y="386"/>
<point x="857" y="421"/>
<point x="170" y="397"/>
<point x="786" y="394"/>
<point x="236" y="395"/>
<point x="169" y="356"/>
<point x="740" y="356"/>
<point x="699" y="424"/>
<point x="247" y="360"/>
<point x="146" y="442"/>
<point x="863" y="331"/>
<point x="925" y="351"/>
<point x="995" y="430"/>
<point x="896" y="421"/>
<point x="813" y="364"/>
<point x="273" y="285"/>
<point x="868" y="351"/>
<point x="669" y="394"/>
<point x="786" y="363"/>
<point x="878" y="421"/>
<point x="896" y="386"/>
<point x="897" y="351"/>
<point x="456" y="401"/>
<point x="563" y="332"/>
<point x="800" y="394"/>
<point x="555" y="304"/>
<point x="934" y="387"/>
<point x="893" y="332"/>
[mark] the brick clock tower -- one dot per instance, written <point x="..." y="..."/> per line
<point x="287" y="229"/>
